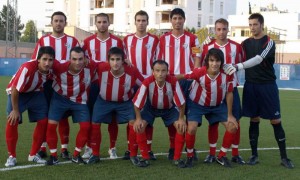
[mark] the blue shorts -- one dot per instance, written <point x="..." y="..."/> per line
<point x="103" y="111"/>
<point x="261" y="100"/>
<point x="236" y="106"/>
<point x="169" y="116"/>
<point x="213" y="114"/>
<point x="185" y="85"/>
<point x="48" y="90"/>
<point x="94" y="92"/>
<point x="34" y="102"/>
<point x="59" y="105"/>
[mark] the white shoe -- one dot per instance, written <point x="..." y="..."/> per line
<point x="36" y="159"/>
<point x="11" y="161"/>
<point x="87" y="153"/>
<point x="112" y="153"/>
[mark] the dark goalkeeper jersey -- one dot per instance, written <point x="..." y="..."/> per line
<point x="263" y="72"/>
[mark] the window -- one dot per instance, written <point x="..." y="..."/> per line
<point x="210" y="21"/>
<point x="200" y="5"/>
<point x="211" y="6"/>
<point x="99" y="4"/>
<point x="245" y="33"/>
<point x="199" y="20"/>
<point x="157" y="2"/>
<point x="91" y="21"/>
<point x="221" y="8"/>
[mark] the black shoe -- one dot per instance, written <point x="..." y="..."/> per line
<point x="65" y="155"/>
<point x="93" y="159"/>
<point x="179" y="163"/>
<point x="238" y="159"/>
<point x="152" y="156"/>
<point x="189" y="162"/>
<point x="52" y="161"/>
<point x="253" y="160"/>
<point x="126" y="155"/>
<point x="78" y="160"/>
<point x="139" y="163"/>
<point x="223" y="161"/>
<point x="209" y="159"/>
<point x="171" y="154"/>
<point x="287" y="163"/>
<point x="42" y="154"/>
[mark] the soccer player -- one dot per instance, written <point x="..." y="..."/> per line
<point x="62" y="44"/>
<point x="233" y="54"/>
<point x="260" y="95"/>
<point x="116" y="83"/>
<point x="25" y="92"/>
<point x="71" y="87"/>
<point x="179" y="49"/>
<point x="96" y="48"/>
<point x="141" y="48"/>
<point x="158" y="97"/>
<point x="207" y="97"/>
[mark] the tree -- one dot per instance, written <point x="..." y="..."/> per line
<point x="11" y="19"/>
<point x="30" y="34"/>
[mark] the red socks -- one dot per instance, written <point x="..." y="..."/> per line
<point x="133" y="146"/>
<point x="213" y="134"/>
<point x="190" y="143"/>
<point x="82" y="137"/>
<point x="172" y="133"/>
<point x="52" y="138"/>
<point x="11" y="138"/>
<point x="96" y="139"/>
<point x="64" y="131"/>
<point x="113" y="130"/>
<point x="236" y="141"/>
<point x="227" y="141"/>
<point x="149" y="134"/>
<point x="39" y="135"/>
<point x="179" y="143"/>
<point x="141" y="139"/>
<point x="127" y="133"/>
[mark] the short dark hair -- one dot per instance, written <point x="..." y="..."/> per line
<point x="257" y="16"/>
<point x="159" y="61"/>
<point x="77" y="49"/>
<point x="116" y="51"/>
<point x="46" y="50"/>
<point x="102" y="15"/>
<point x="58" y="13"/>
<point x="222" y="21"/>
<point x="177" y="11"/>
<point x="141" y="13"/>
<point x="217" y="53"/>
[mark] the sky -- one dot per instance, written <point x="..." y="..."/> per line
<point x="33" y="9"/>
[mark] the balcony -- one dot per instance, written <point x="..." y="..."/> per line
<point x="104" y="4"/>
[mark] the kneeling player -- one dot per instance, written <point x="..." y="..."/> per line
<point x="155" y="99"/>
<point x="71" y="85"/>
<point x="209" y="90"/>
<point x="25" y="92"/>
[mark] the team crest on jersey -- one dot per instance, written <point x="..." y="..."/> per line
<point x="68" y="45"/>
<point x="168" y="93"/>
<point x="185" y="45"/>
<point x="147" y="46"/>
<point x="233" y="54"/>
<point x="222" y="86"/>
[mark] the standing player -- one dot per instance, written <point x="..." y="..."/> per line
<point x="179" y="49"/>
<point x="210" y="88"/>
<point x="140" y="48"/>
<point x="233" y="54"/>
<point x="71" y="86"/>
<point x="62" y="44"/>
<point x="116" y="83"/>
<point x="25" y="92"/>
<point x="260" y="95"/>
<point x="158" y="97"/>
<point x="96" y="48"/>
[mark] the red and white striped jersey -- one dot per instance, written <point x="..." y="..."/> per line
<point x="97" y="49"/>
<point x="118" y="89"/>
<point x="177" y="52"/>
<point x="206" y="91"/>
<point x="233" y="53"/>
<point x="141" y="51"/>
<point x="28" y="78"/>
<point x="160" y="97"/>
<point x="61" y="45"/>
<point x="75" y="87"/>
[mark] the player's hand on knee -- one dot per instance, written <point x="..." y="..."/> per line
<point x="180" y="126"/>
<point x="232" y="124"/>
<point x="13" y="117"/>
<point x="229" y="69"/>
<point x="138" y="126"/>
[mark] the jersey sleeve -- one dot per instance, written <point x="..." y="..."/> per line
<point x="139" y="77"/>
<point x="195" y="74"/>
<point x="178" y="97"/>
<point x="140" y="97"/>
<point x="268" y="49"/>
<point x="20" y="78"/>
<point x="230" y="84"/>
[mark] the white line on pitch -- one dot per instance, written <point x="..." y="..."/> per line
<point x="157" y="154"/>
